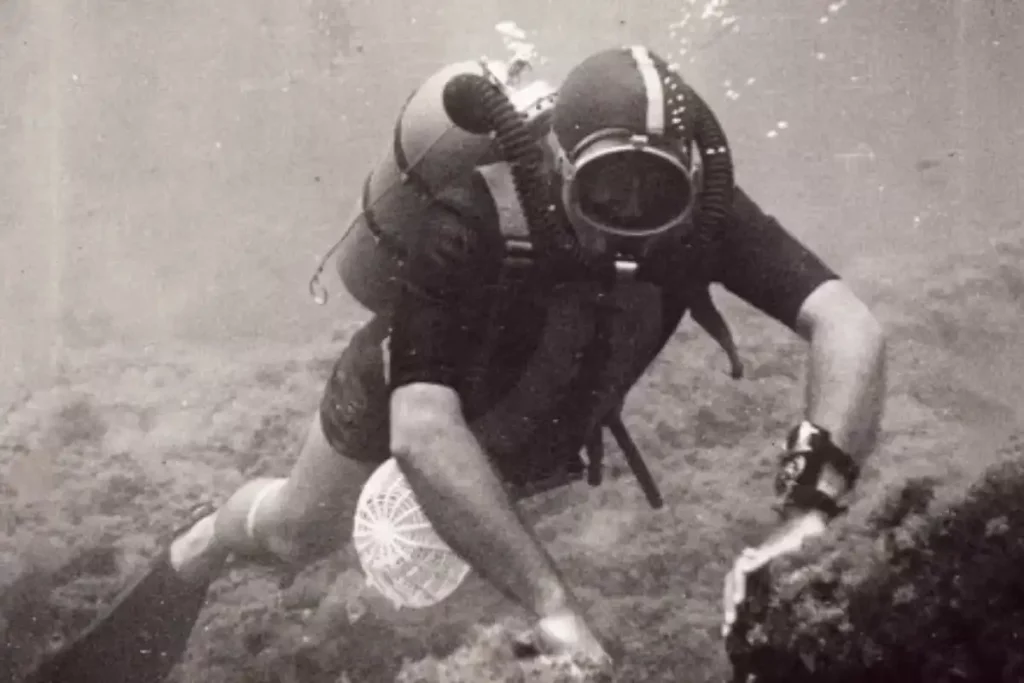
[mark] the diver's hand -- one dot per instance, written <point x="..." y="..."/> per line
<point x="787" y="539"/>
<point x="564" y="633"/>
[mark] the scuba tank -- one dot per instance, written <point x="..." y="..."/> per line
<point x="444" y="131"/>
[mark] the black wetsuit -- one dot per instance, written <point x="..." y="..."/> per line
<point x="459" y="322"/>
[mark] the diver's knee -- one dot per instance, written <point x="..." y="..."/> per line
<point x="299" y="540"/>
<point x="291" y="530"/>
<point x="260" y="522"/>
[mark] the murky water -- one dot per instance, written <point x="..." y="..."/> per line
<point x="174" y="170"/>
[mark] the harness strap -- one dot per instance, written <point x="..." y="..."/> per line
<point x="409" y="176"/>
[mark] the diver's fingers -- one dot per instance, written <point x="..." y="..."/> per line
<point x="735" y="589"/>
<point x="563" y="634"/>
<point x="752" y="559"/>
<point x="730" y="603"/>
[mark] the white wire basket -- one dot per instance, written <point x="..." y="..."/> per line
<point x="400" y="553"/>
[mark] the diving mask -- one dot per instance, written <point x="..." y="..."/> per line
<point x="628" y="185"/>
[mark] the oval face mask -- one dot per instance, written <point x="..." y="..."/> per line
<point x="625" y="186"/>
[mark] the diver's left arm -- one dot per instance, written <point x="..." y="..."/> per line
<point x="845" y="388"/>
<point x="846" y="376"/>
<point x="844" y="400"/>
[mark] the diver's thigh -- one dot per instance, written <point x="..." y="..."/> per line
<point x="323" y="483"/>
<point x="348" y="437"/>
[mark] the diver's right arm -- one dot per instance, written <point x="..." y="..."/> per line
<point x="465" y="500"/>
<point x="457" y="487"/>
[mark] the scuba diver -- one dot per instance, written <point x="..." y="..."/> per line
<point x="524" y="268"/>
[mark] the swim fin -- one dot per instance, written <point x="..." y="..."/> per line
<point x="139" y="638"/>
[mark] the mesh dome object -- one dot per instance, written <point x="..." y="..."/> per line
<point x="400" y="553"/>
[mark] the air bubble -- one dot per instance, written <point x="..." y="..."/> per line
<point x="511" y="30"/>
<point x="514" y="39"/>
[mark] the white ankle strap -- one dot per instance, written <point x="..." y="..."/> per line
<point x="250" y="519"/>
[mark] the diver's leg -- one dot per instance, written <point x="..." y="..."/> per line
<point x="297" y="519"/>
<point x="294" y="519"/>
<point x="301" y="518"/>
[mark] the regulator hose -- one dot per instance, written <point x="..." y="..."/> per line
<point x="479" y="106"/>
<point x="716" y="195"/>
